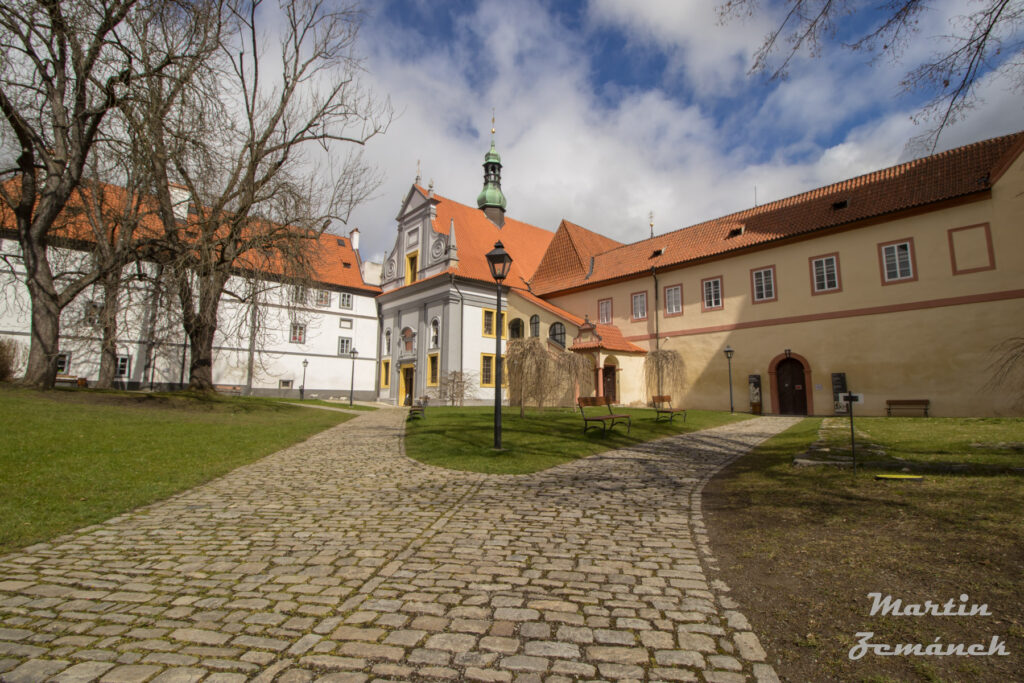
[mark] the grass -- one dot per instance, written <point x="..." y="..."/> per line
<point x="463" y="438"/>
<point x="320" y="402"/>
<point x="802" y="547"/>
<point x="72" y="458"/>
<point x="994" y="442"/>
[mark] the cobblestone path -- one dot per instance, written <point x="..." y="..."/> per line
<point x="339" y="559"/>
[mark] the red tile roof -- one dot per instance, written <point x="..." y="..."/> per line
<point x="570" y="252"/>
<point x="948" y="175"/>
<point x="328" y="261"/>
<point x="475" y="235"/>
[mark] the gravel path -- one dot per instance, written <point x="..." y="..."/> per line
<point x="339" y="559"/>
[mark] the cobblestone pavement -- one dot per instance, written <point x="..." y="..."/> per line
<point x="339" y="559"/>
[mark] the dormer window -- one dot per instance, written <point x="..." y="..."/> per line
<point x="657" y="252"/>
<point x="735" y="232"/>
<point x="841" y="204"/>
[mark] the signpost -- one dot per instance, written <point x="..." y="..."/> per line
<point x="850" y="399"/>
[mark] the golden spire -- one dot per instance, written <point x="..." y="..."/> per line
<point x="492" y="120"/>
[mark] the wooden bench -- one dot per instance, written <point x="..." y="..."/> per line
<point x="71" y="380"/>
<point x="228" y="389"/>
<point x="663" y="408"/>
<point x="908" y="403"/>
<point x="605" y="421"/>
<point x="419" y="407"/>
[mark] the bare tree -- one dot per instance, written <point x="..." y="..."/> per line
<point x="239" y="131"/>
<point x="541" y="374"/>
<point x="65" y="65"/>
<point x="664" y="371"/>
<point x="455" y="387"/>
<point x="1007" y="368"/>
<point x="985" y="38"/>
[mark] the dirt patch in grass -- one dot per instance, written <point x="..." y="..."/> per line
<point x="802" y="548"/>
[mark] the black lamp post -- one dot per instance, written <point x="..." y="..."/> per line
<point x="499" y="262"/>
<point x="352" y="379"/>
<point x="302" y="388"/>
<point x="728" y="354"/>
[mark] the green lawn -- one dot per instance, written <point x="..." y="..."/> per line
<point x="320" y="402"/>
<point x="463" y="438"/>
<point x="938" y="440"/>
<point x="72" y="458"/>
<point x="801" y="548"/>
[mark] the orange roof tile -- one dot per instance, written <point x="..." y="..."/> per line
<point x="335" y="261"/>
<point x="610" y="339"/>
<point x="550" y="307"/>
<point x="475" y="235"/>
<point x="948" y="175"/>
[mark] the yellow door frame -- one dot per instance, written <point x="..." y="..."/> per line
<point x="401" y="380"/>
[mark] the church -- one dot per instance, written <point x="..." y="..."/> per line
<point x="897" y="285"/>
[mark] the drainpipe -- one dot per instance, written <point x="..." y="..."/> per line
<point x="462" y="319"/>
<point x="657" y="329"/>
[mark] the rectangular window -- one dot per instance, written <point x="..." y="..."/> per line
<point x="762" y="283"/>
<point x="345" y="300"/>
<point x="284" y="384"/>
<point x="385" y="374"/>
<point x="63" y="363"/>
<point x="674" y="300"/>
<point x="299" y="295"/>
<point x="825" y="274"/>
<point x="433" y="369"/>
<point x="897" y="261"/>
<point x="604" y="311"/>
<point x="124" y="366"/>
<point x="487" y="369"/>
<point x="488" y="323"/>
<point x="323" y="297"/>
<point x="712" y="287"/>
<point x="298" y="333"/>
<point x="344" y="346"/>
<point x="412" y="267"/>
<point x="640" y="306"/>
<point x="345" y="323"/>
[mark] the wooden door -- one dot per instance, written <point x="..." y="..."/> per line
<point x="792" y="390"/>
<point x="408" y="375"/>
<point x="609" y="383"/>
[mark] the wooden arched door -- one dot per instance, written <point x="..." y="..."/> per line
<point x="792" y="387"/>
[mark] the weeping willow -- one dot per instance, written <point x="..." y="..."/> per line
<point x="664" y="373"/>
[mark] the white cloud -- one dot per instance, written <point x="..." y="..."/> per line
<point x="570" y="152"/>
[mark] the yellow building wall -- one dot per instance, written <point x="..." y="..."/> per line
<point x="930" y="337"/>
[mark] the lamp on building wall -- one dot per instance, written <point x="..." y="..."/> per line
<point x="789" y="353"/>
<point x="302" y="387"/>
<point x="352" y="379"/>
<point x="499" y="261"/>
<point x="728" y="355"/>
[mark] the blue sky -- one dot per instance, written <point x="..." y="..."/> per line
<point x="610" y="109"/>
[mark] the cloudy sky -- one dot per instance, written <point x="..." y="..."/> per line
<point x="610" y="109"/>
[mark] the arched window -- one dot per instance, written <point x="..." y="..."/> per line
<point x="534" y="325"/>
<point x="515" y="329"/>
<point x="387" y="341"/>
<point x="556" y="333"/>
<point x="435" y="333"/>
<point x="408" y="336"/>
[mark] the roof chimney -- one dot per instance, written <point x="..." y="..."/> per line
<point x="354" y="238"/>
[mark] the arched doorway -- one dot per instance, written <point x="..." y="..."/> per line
<point x="609" y="385"/>
<point x="792" y="387"/>
<point x="790" y="376"/>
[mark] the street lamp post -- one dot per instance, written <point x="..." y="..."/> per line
<point x="302" y="387"/>
<point x="728" y="354"/>
<point x="352" y="379"/>
<point x="499" y="262"/>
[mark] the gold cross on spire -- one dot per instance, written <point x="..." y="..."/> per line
<point x="492" y="120"/>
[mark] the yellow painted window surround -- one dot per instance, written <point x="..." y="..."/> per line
<point x="412" y="260"/>
<point x="433" y="369"/>
<point x="487" y="324"/>
<point x="487" y="370"/>
<point x="385" y="374"/>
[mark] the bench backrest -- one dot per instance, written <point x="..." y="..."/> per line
<point x="662" y="400"/>
<point x="593" y="402"/>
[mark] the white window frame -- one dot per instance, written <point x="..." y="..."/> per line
<point x="678" y="307"/>
<point x="126" y="361"/>
<point x="64" y="358"/>
<point x="604" y="311"/>
<point x="344" y="346"/>
<point x="711" y="291"/>
<point x="898" y="263"/>
<point x="298" y="333"/>
<point x="345" y="300"/>
<point x="435" y="333"/>
<point x="638" y="312"/>
<point x="820" y="273"/>
<point x="762" y="282"/>
<point x="323" y="298"/>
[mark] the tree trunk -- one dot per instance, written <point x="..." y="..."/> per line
<point x="201" y="328"/>
<point x="108" y="325"/>
<point x="41" y="372"/>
